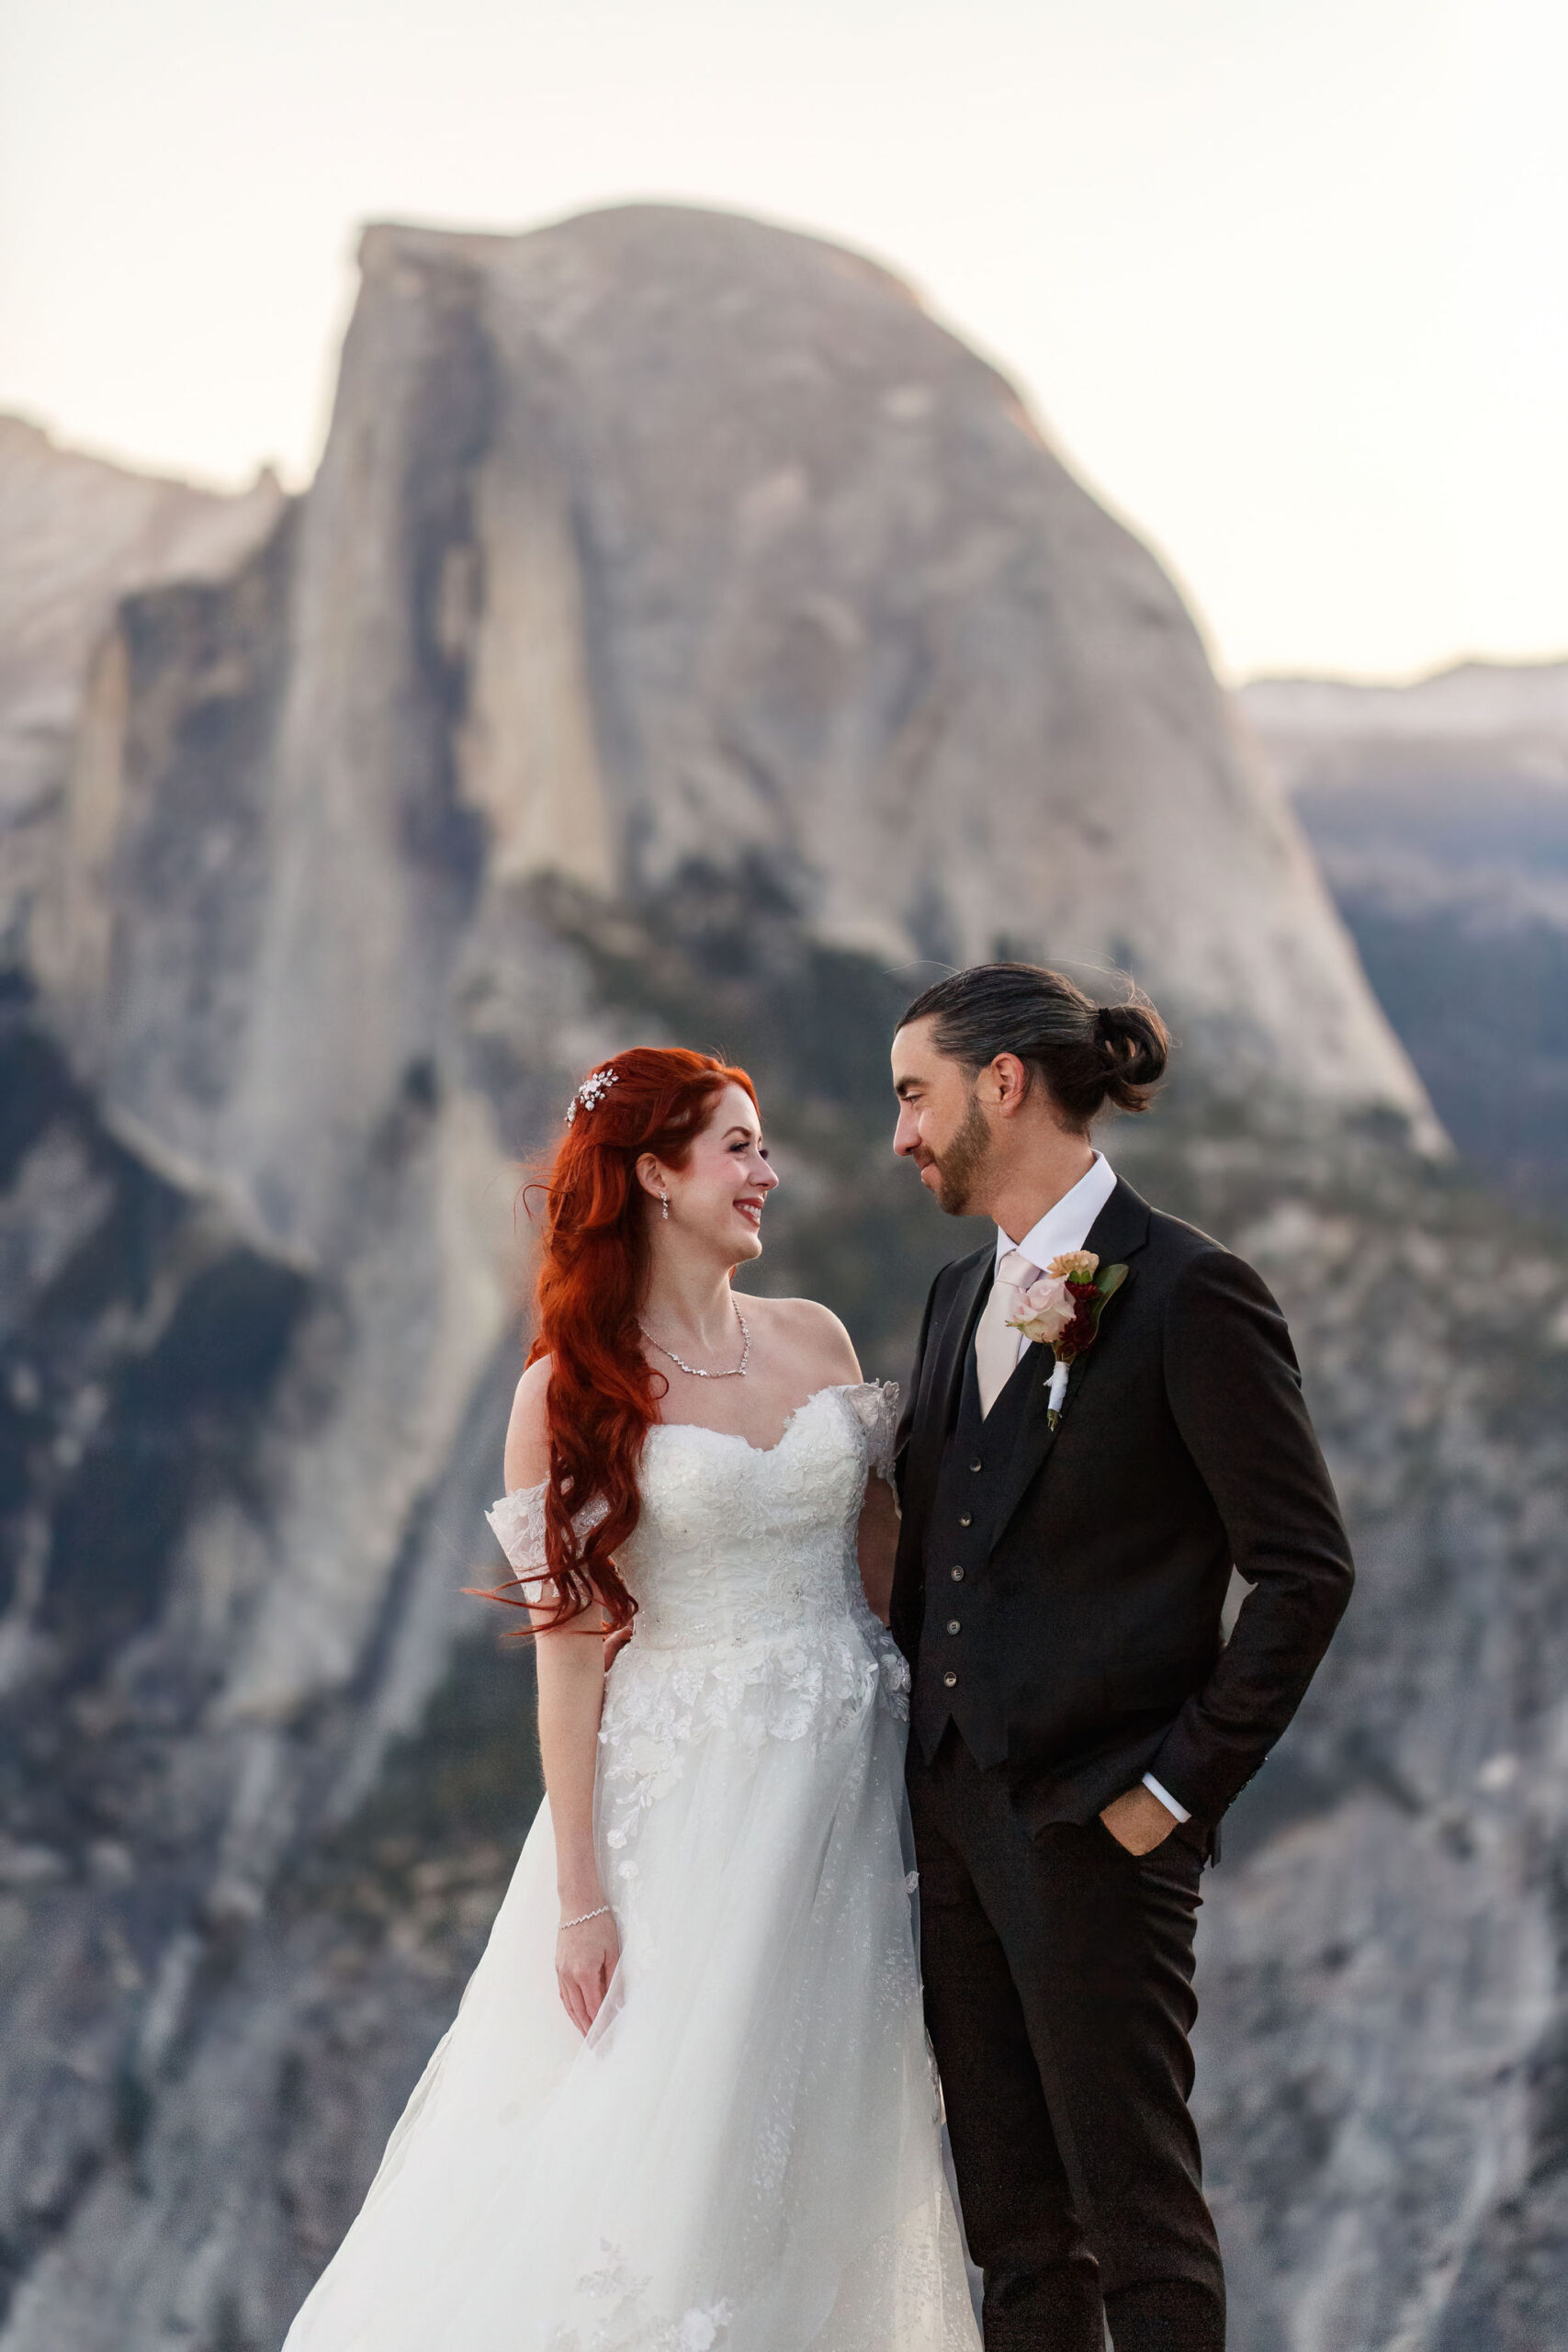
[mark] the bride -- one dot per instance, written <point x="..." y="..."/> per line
<point x="687" y="2099"/>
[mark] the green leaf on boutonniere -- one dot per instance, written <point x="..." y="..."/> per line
<point x="1108" y="1281"/>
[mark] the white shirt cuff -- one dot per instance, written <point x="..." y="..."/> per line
<point x="1166" y="1798"/>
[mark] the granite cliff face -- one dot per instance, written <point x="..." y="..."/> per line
<point x="683" y="638"/>
<point x="76" y="535"/>
<point x="664" y="543"/>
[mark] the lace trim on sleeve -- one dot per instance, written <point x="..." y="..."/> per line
<point x="518" y="1522"/>
<point x="876" y="1406"/>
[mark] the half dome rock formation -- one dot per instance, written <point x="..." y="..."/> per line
<point x="683" y="638"/>
<point x="661" y="542"/>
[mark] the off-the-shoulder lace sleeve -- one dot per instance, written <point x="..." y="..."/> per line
<point x="876" y="1403"/>
<point x="518" y="1519"/>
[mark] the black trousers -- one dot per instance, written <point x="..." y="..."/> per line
<point x="1058" y="1985"/>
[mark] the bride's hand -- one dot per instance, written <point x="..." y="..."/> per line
<point x="586" y="1957"/>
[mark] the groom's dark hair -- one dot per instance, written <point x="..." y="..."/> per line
<point x="1088" y="1057"/>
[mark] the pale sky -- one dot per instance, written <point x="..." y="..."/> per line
<point x="1284" y="280"/>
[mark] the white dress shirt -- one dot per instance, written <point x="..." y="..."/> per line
<point x="1066" y="1227"/>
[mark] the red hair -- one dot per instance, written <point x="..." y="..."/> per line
<point x="603" y="1396"/>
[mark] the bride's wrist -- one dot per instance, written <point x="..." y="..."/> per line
<point x="573" y="1918"/>
<point x="577" y="1895"/>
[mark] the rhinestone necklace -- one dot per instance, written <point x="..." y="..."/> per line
<point x="735" y="1372"/>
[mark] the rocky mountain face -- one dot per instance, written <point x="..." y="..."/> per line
<point x="684" y="639"/>
<point x="1440" y="812"/>
<point x="76" y="535"/>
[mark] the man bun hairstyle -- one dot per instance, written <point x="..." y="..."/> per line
<point x="1090" y="1058"/>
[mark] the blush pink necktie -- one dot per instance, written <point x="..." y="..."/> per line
<point x="996" y="1344"/>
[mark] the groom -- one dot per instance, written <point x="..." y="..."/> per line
<point x="1080" y="1722"/>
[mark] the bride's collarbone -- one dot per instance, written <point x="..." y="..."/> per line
<point x="757" y="1407"/>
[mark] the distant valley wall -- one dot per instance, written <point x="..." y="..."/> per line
<point x="1440" y="812"/>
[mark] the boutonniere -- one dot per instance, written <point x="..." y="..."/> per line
<point x="1062" y="1310"/>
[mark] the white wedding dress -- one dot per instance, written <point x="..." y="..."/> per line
<point x="744" y="2153"/>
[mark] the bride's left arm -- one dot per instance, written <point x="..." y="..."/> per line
<point x="827" y="1356"/>
<point x="877" y="1543"/>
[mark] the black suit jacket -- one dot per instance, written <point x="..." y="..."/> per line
<point x="1091" y="1641"/>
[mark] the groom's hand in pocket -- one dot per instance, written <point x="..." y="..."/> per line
<point x="1137" y="1820"/>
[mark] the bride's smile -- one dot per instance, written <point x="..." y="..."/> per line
<point x="710" y="1206"/>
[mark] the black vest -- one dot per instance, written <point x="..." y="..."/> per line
<point x="959" y="1534"/>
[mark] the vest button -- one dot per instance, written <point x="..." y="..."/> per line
<point x="957" y="1574"/>
<point x="950" y="1680"/>
<point x="976" y="1463"/>
<point x="952" y="1625"/>
<point x="965" y="1518"/>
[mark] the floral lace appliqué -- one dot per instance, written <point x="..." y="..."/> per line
<point x="622" y="2325"/>
<point x="876" y="1407"/>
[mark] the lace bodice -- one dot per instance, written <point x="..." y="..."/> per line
<point x="751" y="1620"/>
<point x="737" y="1541"/>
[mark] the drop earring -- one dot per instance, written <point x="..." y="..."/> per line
<point x="665" y="1198"/>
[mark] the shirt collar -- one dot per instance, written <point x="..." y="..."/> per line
<point x="1067" y="1225"/>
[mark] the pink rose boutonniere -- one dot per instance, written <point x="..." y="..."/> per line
<point x="1062" y="1310"/>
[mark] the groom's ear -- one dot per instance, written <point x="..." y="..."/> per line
<point x="1005" y="1085"/>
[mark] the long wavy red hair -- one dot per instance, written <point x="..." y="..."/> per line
<point x="603" y="1396"/>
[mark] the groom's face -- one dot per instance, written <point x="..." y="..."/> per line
<point x="941" y="1125"/>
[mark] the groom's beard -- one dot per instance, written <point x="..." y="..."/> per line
<point x="958" y="1167"/>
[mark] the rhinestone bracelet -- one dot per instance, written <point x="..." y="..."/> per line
<point x="583" y="1918"/>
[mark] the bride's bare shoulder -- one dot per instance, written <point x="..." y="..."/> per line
<point x="809" y="1330"/>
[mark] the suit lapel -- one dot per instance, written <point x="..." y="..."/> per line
<point x="941" y="1378"/>
<point x="1120" y="1230"/>
<point x="1117" y="1234"/>
<point x="970" y="1293"/>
